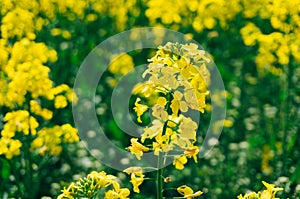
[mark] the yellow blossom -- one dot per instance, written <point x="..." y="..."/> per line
<point x="10" y="147"/>
<point x="117" y="192"/>
<point x="137" y="148"/>
<point x="188" y="192"/>
<point x="135" y="170"/>
<point x="139" y="109"/>
<point x="50" y="139"/>
<point x="60" y="101"/>
<point x="19" y="121"/>
<point x="270" y="193"/>
<point x="158" y="110"/>
<point x="90" y="186"/>
<point x="179" y="162"/>
<point x="178" y="104"/>
<point x="161" y="143"/>
<point x="271" y="190"/>
<point x="136" y="182"/>
<point x="153" y="130"/>
<point x="192" y="151"/>
<point x="137" y="177"/>
<point x="36" y="108"/>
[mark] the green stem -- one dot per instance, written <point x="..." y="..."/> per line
<point x="159" y="177"/>
<point x="161" y="159"/>
<point x="29" y="188"/>
<point x="28" y="172"/>
<point x="17" y="176"/>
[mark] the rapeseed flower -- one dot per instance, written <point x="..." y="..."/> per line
<point x="136" y="148"/>
<point x="137" y="177"/>
<point x="188" y="192"/>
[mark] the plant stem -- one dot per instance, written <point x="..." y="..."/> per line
<point x="161" y="159"/>
<point x="159" y="177"/>
<point x="29" y="188"/>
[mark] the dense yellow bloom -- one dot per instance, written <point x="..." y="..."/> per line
<point x="282" y="16"/>
<point x="188" y="192"/>
<point x="10" y="147"/>
<point x="36" y="108"/>
<point x="176" y="65"/>
<point x="51" y="139"/>
<point x="25" y="64"/>
<point x="18" y="22"/>
<point x="24" y="76"/>
<point x="274" y="49"/>
<point x="60" y="101"/>
<point x="201" y="14"/>
<point x="178" y="73"/>
<point x="19" y="121"/>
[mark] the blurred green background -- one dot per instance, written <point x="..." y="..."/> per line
<point x="256" y="47"/>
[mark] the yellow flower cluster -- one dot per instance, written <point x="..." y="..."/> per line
<point x="269" y="193"/>
<point x="276" y="46"/>
<point x="119" y="10"/>
<point x="51" y="139"/>
<point x="26" y="65"/>
<point x="282" y="44"/>
<point x="179" y="75"/>
<point x="24" y="18"/>
<point x="16" y="122"/>
<point x="19" y="121"/>
<point x="90" y="186"/>
<point x="24" y="78"/>
<point x="121" y="64"/>
<point x="200" y="14"/>
<point x="9" y="147"/>
<point x="266" y="157"/>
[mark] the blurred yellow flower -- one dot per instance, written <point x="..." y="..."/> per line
<point x="60" y="101"/>
<point x="10" y="147"/>
<point x="121" y="64"/>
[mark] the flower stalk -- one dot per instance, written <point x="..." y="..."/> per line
<point x="159" y="177"/>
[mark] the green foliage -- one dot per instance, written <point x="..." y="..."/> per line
<point x="254" y="44"/>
